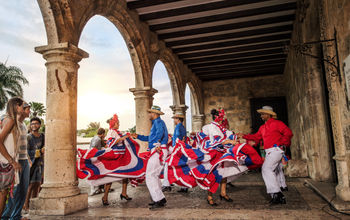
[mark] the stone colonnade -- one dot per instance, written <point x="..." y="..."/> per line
<point x="60" y="194"/>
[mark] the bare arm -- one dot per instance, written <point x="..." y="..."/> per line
<point x="8" y="124"/>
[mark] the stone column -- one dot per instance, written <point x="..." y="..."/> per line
<point x="143" y="101"/>
<point x="179" y="109"/>
<point x="60" y="194"/>
<point x="341" y="150"/>
<point x="197" y="123"/>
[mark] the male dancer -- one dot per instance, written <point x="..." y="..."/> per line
<point x="157" y="139"/>
<point x="276" y="135"/>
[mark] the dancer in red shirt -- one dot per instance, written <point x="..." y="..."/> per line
<point x="276" y="135"/>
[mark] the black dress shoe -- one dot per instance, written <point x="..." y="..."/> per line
<point x="183" y="190"/>
<point x="278" y="198"/>
<point x="151" y="203"/>
<point x="166" y="188"/>
<point x="284" y="189"/>
<point x="158" y="204"/>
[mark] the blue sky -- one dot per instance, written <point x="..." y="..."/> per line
<point x="104" y="78"/>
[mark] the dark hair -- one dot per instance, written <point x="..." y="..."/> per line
<point x="214" y="113"/>
<point x="181" y="119"/>
<point x="101" y="131"/>
<point x="35" y="119"/>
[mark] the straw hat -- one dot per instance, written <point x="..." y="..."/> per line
<point x="267" y="110"/>
<point x="156" y="109"/>
<point x="178" y="115"/>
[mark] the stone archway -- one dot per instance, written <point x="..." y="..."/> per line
<point x="64" y="22"/>
<point x="176" y="83"/>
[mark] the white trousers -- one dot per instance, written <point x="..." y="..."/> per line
<point x="272" y="171"/>
<point x="165" y="179"/>
<point x="153" y="170"/>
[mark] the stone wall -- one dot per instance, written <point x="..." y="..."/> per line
<point x="233" y="95"/>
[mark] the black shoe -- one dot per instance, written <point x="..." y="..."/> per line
<point x="105" y="203"/>
<point x="226" y="198"/>
<point x="230" y="184"/>
<point x="278" y="198"/>
<point x="166" y="188"/>
<point x="211" y="202"/>
<point x="183" y="190"/>
<point x="163" y="201"/>
<point x="151" y="203"/>
<point x="284" y="189"/>
<point x="158" y="204"/>
<point x="127" y="198"/>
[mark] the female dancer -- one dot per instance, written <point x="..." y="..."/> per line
<point x="118" y="162"/>
<point x="218" y="159"/>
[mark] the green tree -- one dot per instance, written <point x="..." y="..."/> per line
<point x="11" y="80"/>
<point x="37" y="109"/>
<point x="132" y="130"/>
<point x="94" y="125"/>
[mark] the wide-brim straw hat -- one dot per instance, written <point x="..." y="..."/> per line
<point x="178" y="115"/>
<point x="156" y="109"/>
<point x="267" y="110"/>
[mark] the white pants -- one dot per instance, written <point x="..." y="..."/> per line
<point x="153" y="170"/>
<point x="272" y="172"/>
<point x="165" y="180"/>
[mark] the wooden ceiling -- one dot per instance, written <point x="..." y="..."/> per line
<point x="222" y="39"/>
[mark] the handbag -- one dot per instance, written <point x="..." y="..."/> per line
<point x="7" y="175"/>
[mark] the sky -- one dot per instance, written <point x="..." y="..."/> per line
<point x="104" y="78"/>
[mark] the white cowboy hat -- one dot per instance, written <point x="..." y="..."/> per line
<point x="178" y="115"/>
<point x="267" y="110"/>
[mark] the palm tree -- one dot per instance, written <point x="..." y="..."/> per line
<point x="11" y="80"/>
<point x="37" y="109"/>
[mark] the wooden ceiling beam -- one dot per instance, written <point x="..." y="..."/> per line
<point x="225" y="16"/>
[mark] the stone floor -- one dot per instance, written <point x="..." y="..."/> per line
<point x="248" y="193"/>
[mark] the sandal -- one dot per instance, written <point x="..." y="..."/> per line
<point x="226" y="198"/>
<point x="211" y="202"/>
<point x="105" y="202"/>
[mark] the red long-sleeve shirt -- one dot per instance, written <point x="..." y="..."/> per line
<point x="272" y="132"/>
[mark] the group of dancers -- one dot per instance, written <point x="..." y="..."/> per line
<point x="211" y="159"/>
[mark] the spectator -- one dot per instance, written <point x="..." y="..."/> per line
<point x="36" y="143"/>
<point x="98" y="142"/>
<point x="14" y="206"/>
<point x="8" y="148"/>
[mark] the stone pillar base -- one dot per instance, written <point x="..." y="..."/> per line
<point x="343" y="193"/>
<point x="58" y="206"/>
<point x="297" y="168"/>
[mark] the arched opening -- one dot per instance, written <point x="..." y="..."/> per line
<point x="164" y="96"/>
<point x="189" y="103"/>
<point x="105" y="78"/>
